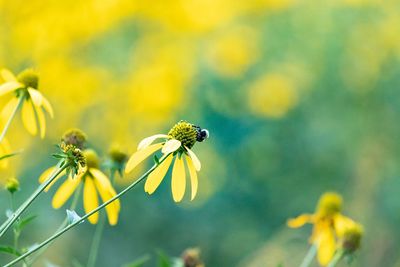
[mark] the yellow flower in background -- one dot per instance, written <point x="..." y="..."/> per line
<point x="25" y="88"/>
<point x="329" y="224"/>
<point x="94" y="182"/>
<point x="176" y="144"/>
<point x="233" y="52"/>
<point x="272" y="95"/>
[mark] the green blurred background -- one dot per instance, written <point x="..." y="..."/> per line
<point x="300" y="97"/>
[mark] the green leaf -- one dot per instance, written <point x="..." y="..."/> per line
<point x="9" y="250"/>
<point x="10" y="155"/>
<point x="72" y="217"/>
<point x="139" y="262"/>
<point x="163" y="260"/>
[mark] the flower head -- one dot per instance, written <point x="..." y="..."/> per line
<point x="71" y="146"/>
<point x="350" y="238"/>
<point x="176" y="145"/>
<point x="74" y="137"/>
<point x="95" y="183"/>
<point x="25" y="87"/>
<point x="116" y="160"/>
<point x="191" y="258"/>
<point x="328" y="223"/>
<point x="12" y="185"/>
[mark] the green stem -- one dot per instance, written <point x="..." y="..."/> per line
<point x="97" y="235"/>
<point x="82" y="219"/>
<point x="338" y="256"/>
<point x="96" y="241"/>
<point x="309" y="256"/>
<point x="17" y="107"/>
<point x="9" y="222"/>
<point x="74" y="203"/>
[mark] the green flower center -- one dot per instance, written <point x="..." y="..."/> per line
<point x="117" y="155"/>
<point x="92" y="159"/>
<point x="29" y="78"/>
<point x="352" y="238"/>
<point x="184" y="132"/>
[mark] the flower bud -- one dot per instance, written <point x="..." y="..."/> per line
<point x="191" y="258"/>
<point x="12" y="185"/>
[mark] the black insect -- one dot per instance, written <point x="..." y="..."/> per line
<point x="202" y="134"/>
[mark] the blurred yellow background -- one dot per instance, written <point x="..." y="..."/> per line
<point x="300" y="97"/>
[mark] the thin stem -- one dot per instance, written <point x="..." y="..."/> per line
<point x="7" y="224"/>
<point x="17" y="107"/>
<point x="338" y="256"/>
<point x="96" y="241"/>
<point x="309" y="256"/>
<point x="82" y="219"/>
<point x="98" y="234"/>
<point x="73" y="205"/>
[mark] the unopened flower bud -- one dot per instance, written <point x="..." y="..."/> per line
<point x="12" y="185"/>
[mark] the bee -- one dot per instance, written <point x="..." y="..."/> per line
<point x="202" y="134"/>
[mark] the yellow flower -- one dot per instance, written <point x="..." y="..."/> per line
<point x="176" y="144"/>
<point x="272" y="95"/>
<point x="350" y="237"/>
<point x="26" y="85"/>
<point x="95" y="182"/>
<point x="329" y="224"/>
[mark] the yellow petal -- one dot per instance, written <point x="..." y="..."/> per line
<point x="65" y="191"/>
<point x="36" y="96"/>
<point x="196" y="161"/>
<point x="299" y="221"/>
<point x="47" y="174"/>
<point x="171" y="146"/>
<point x="194" y="183"/>
<point x="9" y="108"/>
<point x="42" y="122"/>
<point x="178" y="183"/>
<point x="342" y="223"/>
<point x="141" y="155"/>
<point x="149" y="140"/>
<point x="29" y="118"/>
<point x="106" y="192"/>
<point x="104" y="181"/>
<point x="155" y="178"/>
<point x="9" y="87"/>
<point x="90" y="200"/>
<point x="47" y="106"/>
<point x="7" y="75"/>
<point x="326" y="245"/>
